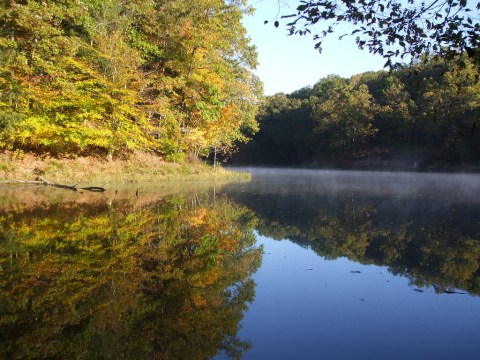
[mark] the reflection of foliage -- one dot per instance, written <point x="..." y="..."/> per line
<point x="443" y="257"/>
<point x="165" y="280"/>
<point x="339" y="239"/>
<point x="431" y="243"/>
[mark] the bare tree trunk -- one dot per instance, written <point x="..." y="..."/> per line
<point x="215" y="158"/>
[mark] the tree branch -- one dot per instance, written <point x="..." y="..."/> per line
<point x="41" y="181"/>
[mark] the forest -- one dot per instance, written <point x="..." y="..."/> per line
<point x="426" y="115"/>
<point x="111" y="77"/>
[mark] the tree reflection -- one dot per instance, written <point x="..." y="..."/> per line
<point x="167" y="279"/>
<point x="432" y="243"/>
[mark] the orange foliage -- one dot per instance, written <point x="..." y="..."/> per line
<point x="199" y="301"/>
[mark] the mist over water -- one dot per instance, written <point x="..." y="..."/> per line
<point x="364" y="264"/>
<point x="434" y="186"/>
<point x="296" y="263"/>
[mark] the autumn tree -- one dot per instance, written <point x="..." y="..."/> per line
<point x="197" y="78"/>
<point x="111" y="77"/>
<point x="76" y="75"/>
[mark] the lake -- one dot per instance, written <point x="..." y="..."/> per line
<point x="294" y="264"/>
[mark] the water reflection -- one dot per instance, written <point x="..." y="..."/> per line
<point x="422" y="226"/>
<point x="168" y="272"/>
<point x="374" y="265"/>
<point x="159" y="276"/>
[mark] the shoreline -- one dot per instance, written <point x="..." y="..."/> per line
<point x="140" y="167"/>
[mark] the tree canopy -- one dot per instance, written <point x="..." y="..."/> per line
<point x="391" y="28"/>
<point x="111" y="77"/>
<point x="424" y="116"/>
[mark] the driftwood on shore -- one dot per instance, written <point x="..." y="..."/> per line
<point x="39" y="181"/>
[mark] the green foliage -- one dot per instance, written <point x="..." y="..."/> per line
<point x="426" y="115"/>
<point x="101" y="77"/>
<point x="344" y="119"/>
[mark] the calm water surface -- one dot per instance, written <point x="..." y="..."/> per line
<point x="294" y="264"/>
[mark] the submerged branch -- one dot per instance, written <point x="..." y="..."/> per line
<point x="41" y="181"/>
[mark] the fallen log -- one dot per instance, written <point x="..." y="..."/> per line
<point x="42" y="182"/>
<point x="93" y="188"/>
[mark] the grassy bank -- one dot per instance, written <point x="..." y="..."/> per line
<point x="138" y="168"/>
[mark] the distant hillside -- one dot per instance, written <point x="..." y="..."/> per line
<point x="425" y="116"/>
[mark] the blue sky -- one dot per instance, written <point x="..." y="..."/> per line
<point x="288" y="63"/>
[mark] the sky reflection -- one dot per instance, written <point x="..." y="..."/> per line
<point x="310" y="308"/>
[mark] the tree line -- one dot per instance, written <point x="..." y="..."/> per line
<point x="427" y="114"/>
<point x="109" y="77"/>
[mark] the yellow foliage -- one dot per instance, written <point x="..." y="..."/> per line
<point x="199" y="301"/>
<point x="198" y="217"/>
